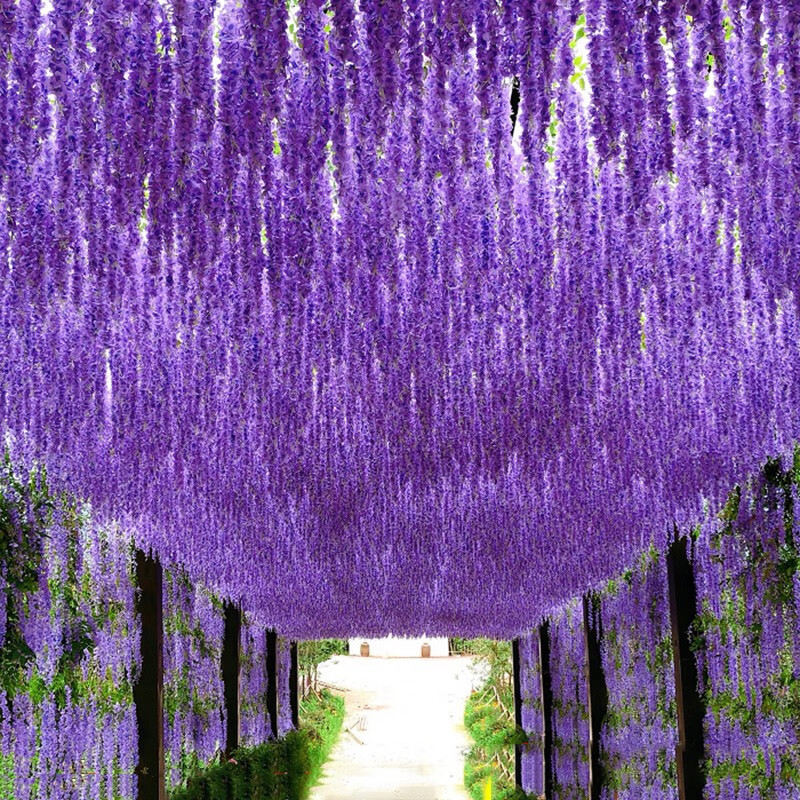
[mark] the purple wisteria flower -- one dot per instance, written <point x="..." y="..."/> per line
<point x="283" y="295"/>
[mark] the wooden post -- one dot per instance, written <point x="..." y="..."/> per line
<point x="148" y="691"/>
<point x="515" y="660"/>
<point x="293" y="691"/>
<point x="547" y="709"/>
<point x="514" y="103"/>
<point x="231" y="676"/>
<point x="272" y="681"/>
<point x="691" y="708"/>
<point x="596" y="690"/>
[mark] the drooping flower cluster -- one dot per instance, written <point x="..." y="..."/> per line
<point x="70" y="647"/>
<point x="639" y="733"/>
<point x="284" y="686"/>
<point x="745" y="637"/>
<point x="748" y="574"/>
<point x="279" y="287"/>
<point x="530" y="683"/>
<point x="194" y="718"/>
<point x="255" y="721"/>
<point x="70" y="656"/>
<point x="570" y="715"/>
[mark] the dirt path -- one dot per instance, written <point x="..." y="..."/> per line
<point x="407" y="738"/>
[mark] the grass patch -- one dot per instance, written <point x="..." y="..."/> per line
<point x="322" y="716"/>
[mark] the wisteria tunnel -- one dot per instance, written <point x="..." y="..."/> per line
<point x="330" y="318"/>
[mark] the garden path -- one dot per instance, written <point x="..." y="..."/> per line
<point x="407" y="738"/>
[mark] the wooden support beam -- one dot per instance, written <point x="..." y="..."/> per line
<point x="294" y="698"/>
<point x="547" y="709"/>
<point x="272" y="681"/>
<point x="596" y="690"/>
<point x="515" y="660"/>
<point x="148" y="691"/>
<point x="690" y="750"/>
<point x="514" y="103"/>
<point x="231" y="676"/>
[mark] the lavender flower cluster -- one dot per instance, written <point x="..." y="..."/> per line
<point x="279" y="287"/>
<point x="284" y="686"/>
<point x="530" y="682"/>
<point x="255" y="722"/>
<point x="639" y="735"/>
<point x="70" y="654"/>
<point x="255" y="718"/>
<point x="749" y="604"/>
<point x="194" y="719"/>
<point x="746" y="639"/>
<point x="570" y="718"/>
<point x="70" y="639"/>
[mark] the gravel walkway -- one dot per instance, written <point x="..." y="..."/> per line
<point x="407" y="738"/>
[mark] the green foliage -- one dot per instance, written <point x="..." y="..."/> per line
<point x="7" y="780"/>
<point x="311" y="653"/>
<point x="492" y="754"/>
<point x="489" y="719"/>
<point x="25" y="506"/>
<point x="458" y="645"/>
<point x="280" y="770"/>
<point x="495" y="658"/>
<point x="256" y="773"/>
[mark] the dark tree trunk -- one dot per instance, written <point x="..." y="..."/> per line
<point x="148" y="691"/>
<point x="597" y="691"/>
<point x="547" y="709"/>
<point x="272" y="681"/>
<point x="231" y="676"/>
<point x="690" y="751"/>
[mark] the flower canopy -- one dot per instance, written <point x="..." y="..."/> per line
<point x="285" y="288"/>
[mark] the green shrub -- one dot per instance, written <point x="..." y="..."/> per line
<point x="311" y="653"/>
<point x="492" y="753"/>
<point x="279" y="770"/>
<point x="489" y="719"/>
